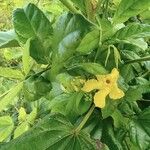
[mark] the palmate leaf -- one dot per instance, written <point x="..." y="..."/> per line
<point x="129" y="8"/>
<point x="31" y="23"/>
<point x="71" y="105"/>
<point x="140" y="130"/>
<point x="52" y="133"/>
<point x="109" y="136"/>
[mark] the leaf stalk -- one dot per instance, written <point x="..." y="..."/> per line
<point x="77" y="130"/>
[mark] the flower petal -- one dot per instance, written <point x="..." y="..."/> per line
<point x="99" y="98"/>
<point x="114" y="75"/>
<point x="90" y="85"/>
<point x="116" y="93"/>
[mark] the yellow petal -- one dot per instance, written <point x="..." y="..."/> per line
<point x="90" y="85"/>
<point x="99" y="98"/>
<point x="116" y="93"/>
<point x="100" y="77"/>
<point x="114" y="75"/>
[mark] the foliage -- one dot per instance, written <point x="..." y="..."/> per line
<point x="54" y="49"/>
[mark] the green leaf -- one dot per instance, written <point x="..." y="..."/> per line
<point x="23" y="127"/>
<point x="127" y="72"/>
<point x="71" y="105"/>
<point x="31" y="117"/>
<point x="40" y="50"/>
<point x="53" y="132"/>
<point x="11" y="73"/>
<point x="107" y="28"/>
<point x="80" y="4"/>
<point x="140" y="130"/>
<point x="109" y="137"/>
<point x="67" y="35"/>
<point x="127" y="9"/>
<point x="26" y="57"/>
<point x="8" y="39"/>
<point x="119" y="120"/>
<point x="94" y="125"/>
<point x="22" y="115"/>
<point x="76" y="106"/>
<point x="93" y="68"/>
<point x="7" y="99"/>
<point x="132" y="31"/>
<point x="137" y="42"/>
<point x="134" y="93"/>
<point x="6" y="127"/>
<point x="35" y="87"/>
<point x="89" y="42"/>
<point x="31" y="23"/>
<point x="110" y="108"/>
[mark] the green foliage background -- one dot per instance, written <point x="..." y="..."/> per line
<point x="47" y="47"/>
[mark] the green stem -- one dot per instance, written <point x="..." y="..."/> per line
<point x="100" y="38"/>
<point x="145" y="74"/>
<point x="85" y="119"/>
<point x="70" y="6"/>
<point x="138" y="60"/>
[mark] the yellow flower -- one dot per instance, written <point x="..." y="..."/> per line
<point x="106" y="85"/>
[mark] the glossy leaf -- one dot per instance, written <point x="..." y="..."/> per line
<point x="67" y="35"/>
<point x="31" y="23"/>
<point x="8" y="39"/>
<point x="6" y="127"/>
<point x="127" y="9"/>
<point x="56" y="132"/>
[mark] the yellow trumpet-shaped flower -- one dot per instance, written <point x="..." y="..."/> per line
<point x="106" y="85"/>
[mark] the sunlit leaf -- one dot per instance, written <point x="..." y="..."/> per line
<point x="6" y="127"/>
<point x="8" y="98"/>
<point x="11" y="73"/>
<point x="127" y="9"/>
